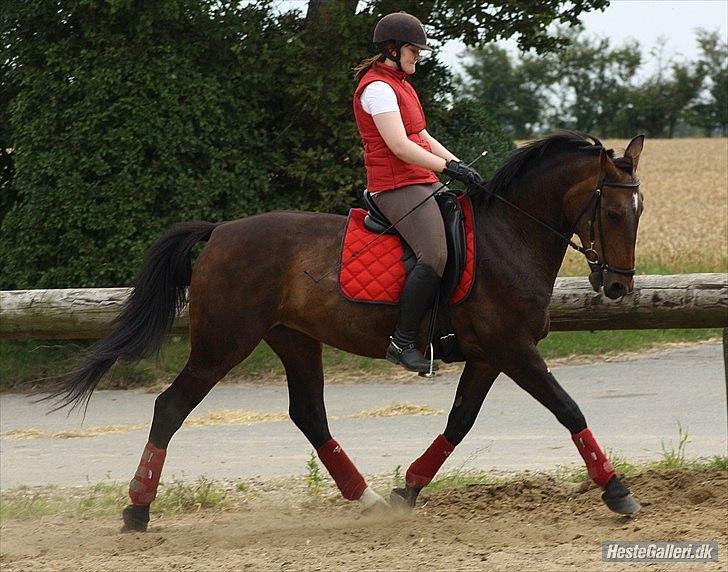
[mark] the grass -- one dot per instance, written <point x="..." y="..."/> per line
<point x="673" y="457"/>
<point x="459" y="480"/>
<point x="462" y="476"/>
<point x="315" y="479"/>
<point x="566" y="344"/>
<point x="23" y="363"/>
<point x="397" y="478"/>
<point x="102" y="499"/>
<point x="178" y="496"/>
<point x="578" y="474"/>
<point x="106" y="499"/>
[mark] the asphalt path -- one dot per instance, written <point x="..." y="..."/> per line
<point x="633" y="407"/>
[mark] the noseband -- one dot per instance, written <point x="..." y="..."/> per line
<point x="597" y="266"/>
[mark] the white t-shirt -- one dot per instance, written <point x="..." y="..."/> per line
<point x="378" y="97"/>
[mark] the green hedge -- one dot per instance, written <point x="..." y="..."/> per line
<point x="128" y="116"/>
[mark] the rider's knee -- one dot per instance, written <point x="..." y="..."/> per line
<point x="437" y="260"/>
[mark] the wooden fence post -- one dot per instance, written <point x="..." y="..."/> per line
<point x="725" y="369"/>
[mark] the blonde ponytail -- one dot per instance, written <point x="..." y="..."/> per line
<point x="365" y="65"/>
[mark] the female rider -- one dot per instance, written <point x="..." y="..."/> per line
<point x="401" y="159"/>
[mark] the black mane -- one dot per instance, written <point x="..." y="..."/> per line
<point x="525" y="158"/>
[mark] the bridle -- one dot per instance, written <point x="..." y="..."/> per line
<point x="596" y="265"/>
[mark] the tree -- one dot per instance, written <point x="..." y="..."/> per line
<point x="710" y="112"/>
<point x="514" y="92"/>
<point x="8" y="90"/>
<point x="595" y="82"/>
<point x="662" y="100"/>
<point x="126" y="116"/>
<point x="581" y="86"/>
<point x="591" y="86"/>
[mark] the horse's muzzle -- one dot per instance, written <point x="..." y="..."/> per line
<point x="596" y="279"/>
<point x="615" y="290"/>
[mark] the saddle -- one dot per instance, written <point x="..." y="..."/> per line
<point x="454" y="219"/>
<point x="375" y="261"/>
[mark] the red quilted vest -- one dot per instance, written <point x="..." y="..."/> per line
<point x="385" y="171"/>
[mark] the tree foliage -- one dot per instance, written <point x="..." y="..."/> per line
<point x="711" y="110"/>
<point x="593" y="86"/>
<point x="125" y="116"/>
<point x="126" y="119"/>
<point x="510" y="90"/>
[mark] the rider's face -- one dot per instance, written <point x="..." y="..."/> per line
<point x="409" y="56"/>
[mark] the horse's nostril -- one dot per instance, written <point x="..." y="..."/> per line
<point x="616" y="290"/>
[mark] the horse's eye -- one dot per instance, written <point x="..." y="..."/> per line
<point x="614" y="216"/>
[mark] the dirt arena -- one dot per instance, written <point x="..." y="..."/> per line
<point x="536" y="523"/>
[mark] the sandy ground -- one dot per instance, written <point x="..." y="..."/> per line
<point x="535" y="523"/>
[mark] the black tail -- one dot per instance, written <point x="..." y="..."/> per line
<point x="147" y="315"/>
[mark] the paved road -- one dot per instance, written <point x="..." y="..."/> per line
<point x="632" y="406"/>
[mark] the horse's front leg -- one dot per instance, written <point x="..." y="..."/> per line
<point x="475" y="382"/>
<point x="529" y="371"/>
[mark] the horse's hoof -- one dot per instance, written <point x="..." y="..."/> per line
<point x="625" y="504"/>
<point x="373" y="503"/>
<point x="618" y="498"/>
<point x="136" y="518"/>
<point x="403" y="498"/>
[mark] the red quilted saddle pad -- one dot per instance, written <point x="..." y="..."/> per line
<point x="372" y="269"/>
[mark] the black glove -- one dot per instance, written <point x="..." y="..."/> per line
<point x="462" y="172"/>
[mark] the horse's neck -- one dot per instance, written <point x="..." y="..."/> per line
<point x="541" y="194"/>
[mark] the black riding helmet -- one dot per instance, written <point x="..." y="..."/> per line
<point x="401" y="28"/>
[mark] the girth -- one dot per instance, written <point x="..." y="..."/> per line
<point x="452" y="216"/>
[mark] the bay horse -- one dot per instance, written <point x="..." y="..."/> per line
<point x="249" y="284"/>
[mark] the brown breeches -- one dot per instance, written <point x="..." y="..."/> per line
<point x="423" y="229"/>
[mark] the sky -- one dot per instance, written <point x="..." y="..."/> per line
<point x="645" y="20"/>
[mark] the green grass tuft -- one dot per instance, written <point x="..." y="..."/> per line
<point x="177" y="496"/>
<point x="397" y="477"/>
<point x="314" y="477"/>
<point x="24" y="502"/>
<point x="673" y="457"/>
<point x="578" y="474"/>
<point x="717" y="463"/>
<point x="459" y="479"/>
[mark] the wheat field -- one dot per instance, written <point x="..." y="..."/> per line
<point x="684" y="227"/>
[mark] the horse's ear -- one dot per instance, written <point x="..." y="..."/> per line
<point x="634" y="149"/>
<point x="603" y="161"/>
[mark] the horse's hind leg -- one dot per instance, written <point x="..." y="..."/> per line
<point x="301" y="357"/>
<point x="475" y="382"/>
<point x="210" y="359"/>
<point x="530" y="373"/>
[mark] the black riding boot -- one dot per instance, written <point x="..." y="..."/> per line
<point x="417" y="297"/>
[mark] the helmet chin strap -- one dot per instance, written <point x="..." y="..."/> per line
<point x="397" y="54"/>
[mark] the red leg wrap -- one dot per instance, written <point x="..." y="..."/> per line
<point x="423" y="470"/>
<point x="597" y="465"/>
<point x="143" y="487"/>
<point x="342" y="470"/>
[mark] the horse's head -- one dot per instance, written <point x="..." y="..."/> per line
<point x="605" y="211"/>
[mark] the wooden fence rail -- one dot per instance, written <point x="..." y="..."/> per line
<point x="677" y="301"/>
